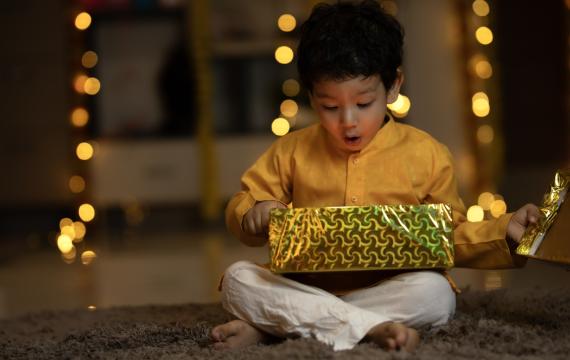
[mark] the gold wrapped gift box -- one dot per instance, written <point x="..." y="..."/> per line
<point x="361" y="238"/>
<point x="549" y="239"/>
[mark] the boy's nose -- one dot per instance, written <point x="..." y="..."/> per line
<point x="349" y="119"/>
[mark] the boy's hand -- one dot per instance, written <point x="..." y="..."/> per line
<point x="256" y="220"/>
<point x="528" y="214"/>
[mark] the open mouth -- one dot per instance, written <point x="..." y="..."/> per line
<point x="352" y="140"/>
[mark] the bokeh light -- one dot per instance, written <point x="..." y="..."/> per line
<point x="286" y="22"/>
<point x="291" y="87"/>
<point x="79" y="117"/>
<point x="480" y="104"/>
<point x="485" y="134"/>
<point x="84" y="151"/>
<point x="82" y="21"/>
<point x="401" y="106"/>
<point x="64" y="243"/>
<point x="79" y="83"/>
<point x="89" y="59"/>
<point x="76" y="184"/>
<point x="480" y="7"/>
<point x="484" y="35"/>
<point x="485" y="199"/>
<point x="284" y="54"/>
<point x="80" y="231"/>
<point x="498" y="208"/>
<point x="92" y="86"/>
<point x="69" y="256"/>
<point x="65" y="222"/>
<point x="87" y="257"/>
<point x="68" y="230"/>
<point x="289" y="108"/>
<point x="475" y="213"/>
<point x="483" y="69"/>
<point x="86" y="212"/>
<point x="280" y="126"/>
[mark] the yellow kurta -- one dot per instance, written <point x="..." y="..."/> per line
<point x="401" y="165"/>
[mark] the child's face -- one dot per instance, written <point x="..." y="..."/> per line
<point x="352" y="111"/>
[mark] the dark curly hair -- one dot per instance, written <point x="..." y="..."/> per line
<point x="346" y="40"/>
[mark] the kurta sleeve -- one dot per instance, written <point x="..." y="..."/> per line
<point x="479" y="245"/>
<point x="269" y="178"/>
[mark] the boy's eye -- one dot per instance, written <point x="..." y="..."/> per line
<point x="329" y="107"/>
<point x="363" y="106"/>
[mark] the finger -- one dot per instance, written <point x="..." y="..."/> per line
<point x="533" y="213"/>
<point x="258" y="223"/>
<point x="265" y="220"/>
<point x="249" y="225"/>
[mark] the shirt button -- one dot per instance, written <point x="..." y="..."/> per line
<point x="354" y="199"/>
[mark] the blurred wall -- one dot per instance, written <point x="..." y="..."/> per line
<point x="35" y="146"/>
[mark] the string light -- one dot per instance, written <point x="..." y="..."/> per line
<point x="289" y="108"/>
<point x="291" y="87"/>
<point x="92" y="86"/>
<point x="79" y="83"/>
<point x="284" y="54"/>
<point x="483" y="69"/>
<point x="485" y="134"/>
<point x="480" y="8"/>
<point x="64" y="243"/>
<point x="286" y="22"/>
<point x="79" y="117"/>
<point x="480" y="104"/>
<point x="80" y="231"/>
<point x="485" y="200"/>
<point x="87" y="257"/>
<point x="475" y="213"/>
<point x="65" y="222"/>
<point x="76" y="184"/>
<point x="401" y="106"/>
<point x="86" y="212"/>
<point x="82" y="21"/>
<point x="498" y="208"/>
<point x="89" y="59"/>
<point x="280" y="126"/>
<point x="484" y="35"/>
<point x="84" y="151"/>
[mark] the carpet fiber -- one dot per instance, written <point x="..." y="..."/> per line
<point x="521" y="324"/>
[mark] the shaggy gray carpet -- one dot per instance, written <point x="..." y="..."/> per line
<point x="531" y="324"/>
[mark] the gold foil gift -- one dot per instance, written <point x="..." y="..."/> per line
<point x="361" y="238"/>
<point x="549" y="239"/>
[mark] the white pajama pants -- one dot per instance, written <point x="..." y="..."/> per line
<point x="284" y="307"/>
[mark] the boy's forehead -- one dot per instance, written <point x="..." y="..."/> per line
<point x="357" y="85"/>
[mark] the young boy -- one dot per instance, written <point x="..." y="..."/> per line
<point x="349" y="59"/>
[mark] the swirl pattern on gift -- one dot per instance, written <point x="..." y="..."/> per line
<point x="361" y="238"/>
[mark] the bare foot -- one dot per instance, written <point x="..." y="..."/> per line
<point x="236" y="334"/>
<point x="394" y="336"/>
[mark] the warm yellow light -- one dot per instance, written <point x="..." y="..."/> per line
<point x="79" y="117"/>
<point x="286" y="22"/>
<point x="484" y="35"/>
<point x="86" y="212"/>
<point x="480" y="104"/>
<point x="64" y="243"/>
<point x="480" y="8"/>
<point x="79" y="83"/>
<point x="390" y="7"/>
<point x="87" y="257"/>
<point x="76" y="184"/>
<point x="475" y="213"/>
<point x="69" y="257"/>
<point x="82" y="21"/>
<point x="483" y="69"/>
<point x="92" y="86"/>
<point x="68" y="230"/>
<point x="80" y="231"/>
<point x="89" y="59"/>
<point x="485" y="134"/>
<point x="65" y="222"/>
<point x="91" y="308"/>
<point x="401" y="106"/>
<point x="280" y="126"/>
<point x="291" y="87"/>
<point x="485" y="200"/>
<point x="84" y="151"/>
<point x="498" y="208"/>
<point x="284" y="54"/>
<point x="289" y="108"/>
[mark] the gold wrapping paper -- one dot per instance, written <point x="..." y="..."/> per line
<point x="549" y="239"/>
<point x="361" y="238"/>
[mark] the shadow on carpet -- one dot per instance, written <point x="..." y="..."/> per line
<point x="506" y="324"/>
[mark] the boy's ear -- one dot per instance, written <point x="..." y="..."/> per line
<point x="395" y="89"/>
